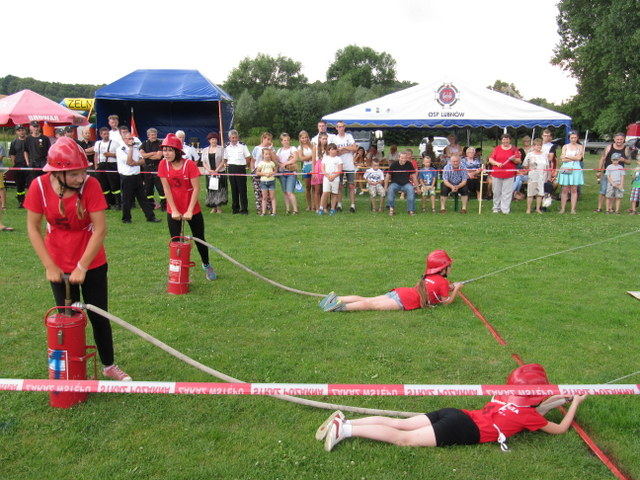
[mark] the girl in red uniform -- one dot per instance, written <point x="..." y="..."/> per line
<point x="502" y="417"/>
<point x="432" y="289"/>
<point x="181" y="182"/>
<point x="73" y="205"/>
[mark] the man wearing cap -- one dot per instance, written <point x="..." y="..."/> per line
<point x="18" y="160"/>
<point x="618" y="147"/>
<point x="37" y="146"/>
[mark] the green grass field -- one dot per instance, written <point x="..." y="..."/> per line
<point x="568" y="312"/>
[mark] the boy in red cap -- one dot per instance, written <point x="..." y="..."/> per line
<point x="503" y="416"/>
<point x="432" y="289"/>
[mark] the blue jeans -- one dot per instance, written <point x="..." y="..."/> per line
<point x="518" y="181"/>
<point x="288" y="182"/>
<point x="407" y="188"/>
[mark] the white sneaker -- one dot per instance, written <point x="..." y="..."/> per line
<point x="114" y="372"/>
<point x="322" y="430"/>
<point x="335" y="435"/>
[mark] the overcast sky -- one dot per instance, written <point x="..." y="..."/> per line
<point x="471" y="40"/>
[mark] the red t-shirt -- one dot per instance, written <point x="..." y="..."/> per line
<point x="509" y="418"/>
<point x="437" y="288"/>
<point x="67" y="237"/>
<point x="180" y="183"/>
<point x="501" y="155"/>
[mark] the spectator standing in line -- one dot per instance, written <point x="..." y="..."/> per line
<point x="151" y="152"/>
<point x="618" y="147"/>
<point x="504" y="159"/>
<point x="287" y="159"/>
<point x="266" y="141"/>
<point x="536" y="163"/>
<point x="322" y="128"/>
<point x="346" y="148"/>
<point x="521" y="176"/>
<point x="37" y="146"/>
<point x="317" y="179"/>
<point x="375" y="180"/>
<point x="305" y="155"/>
<point x="87" y="145"/>
<point x="213" y="163"/>
<point x="238" y="158"/>
<point x="107" y="165"/>
<point x="129" y="162"/>
<point x="332" y="173"/>
<point x="401" y="176"/>
<point x="114" y="130"/>
<point x="570" y="173"/>
<point x="266" y="170"/>
<point x="454" y="180"/>
<point x="18" y="160"/>
<point x="427" y="176"/>
<point x="189" y="152"/>
<point x="615" y="183"/>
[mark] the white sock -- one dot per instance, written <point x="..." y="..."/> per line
<point x="353" y="205"/>
<point x="347" y="428"/>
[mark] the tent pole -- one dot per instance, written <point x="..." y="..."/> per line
<point x="220" y="124"/>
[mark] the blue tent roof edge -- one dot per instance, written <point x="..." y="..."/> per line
<point x="164" y="85"/>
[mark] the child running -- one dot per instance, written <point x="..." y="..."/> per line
<point x="502" y="417"/>
<point x="432" y="289"/>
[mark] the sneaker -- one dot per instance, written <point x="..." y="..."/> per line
<point x="114" y="372"/>
<point x="336" y="306"/>
<point x="328" y="299"/>
<point x="153" y="220"/>
<point x="339" y="208"/>
<point x="321" y="211"/>
<point x="333" y="212"/>
<point x="209" y="272"/>
<point x="335" y="435"/>
<point x="324" y="428"/>
<point x="352" y="209"/>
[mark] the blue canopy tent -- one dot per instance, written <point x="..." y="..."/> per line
<point x="167" y="100"/>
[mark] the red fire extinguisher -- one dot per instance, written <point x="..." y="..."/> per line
<point x="67" y="350"/>
<point x="179" y="265"/>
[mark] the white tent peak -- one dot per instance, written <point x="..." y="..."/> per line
<point x="447" y="104"/>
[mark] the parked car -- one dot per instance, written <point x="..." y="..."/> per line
<point x="439" y="144"/>
<point x="362" y="138"/>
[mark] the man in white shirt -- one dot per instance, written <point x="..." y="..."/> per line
<point x="322" y="128"/>
<point x="238" y="158"/>
<point x="105" y="162"/>
<point x="129" y="161"/>
<point x="189" y="152"/>
<point x="346" y="148"/>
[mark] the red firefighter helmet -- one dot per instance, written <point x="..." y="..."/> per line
<point x="436" y="261"/>
<point x="65" y="155"/>
<point x="529" y="374"/>
<point x="172" y="141"/>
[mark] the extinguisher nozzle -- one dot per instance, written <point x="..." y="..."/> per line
<point x="79" y="305"/>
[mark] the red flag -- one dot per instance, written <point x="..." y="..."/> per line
<point x="134" y="129"/>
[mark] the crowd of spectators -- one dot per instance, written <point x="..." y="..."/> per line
<point x="330" y="165"/>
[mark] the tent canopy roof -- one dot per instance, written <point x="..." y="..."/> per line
<point x="447" y="105"/>
<point x="164" y="85"/>
<point x="26" y="106"/>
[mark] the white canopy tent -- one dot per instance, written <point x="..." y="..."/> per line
<point x="447" y="105"/>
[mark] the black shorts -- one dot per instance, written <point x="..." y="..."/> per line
<point x="446" y="191"/>
<point x="453" y="427"/>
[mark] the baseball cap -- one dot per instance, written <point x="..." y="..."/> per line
<point x="616" y="156"/>
<point x="34" y="123"/>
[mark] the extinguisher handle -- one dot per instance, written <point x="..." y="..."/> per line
<point x="67" y="286"/>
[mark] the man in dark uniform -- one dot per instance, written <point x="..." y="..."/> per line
<point x="16" y="154"/>
<point x="151" y="152"/>
<point x="37" y="147"/>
